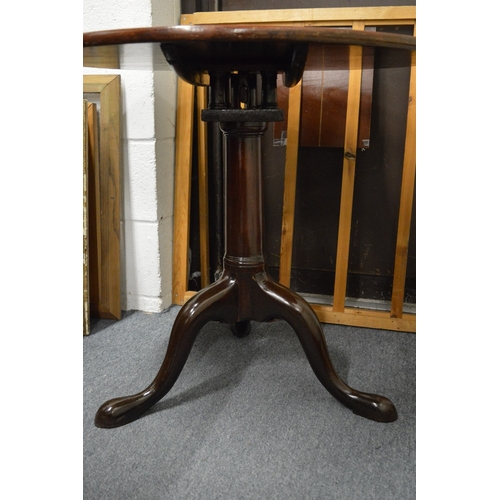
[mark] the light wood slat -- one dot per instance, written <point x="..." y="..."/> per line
<point x="203" y="187"/>
<point x="183" y="163"/>
<point x="406" y="202"/>
<point x="346" y="14"/>
<point x="365" y="318"/>
<point x="290" y="183"/>
<point x="188" y="294"/>
<point x="335" y="23"/>
<point x="348" y="171"/>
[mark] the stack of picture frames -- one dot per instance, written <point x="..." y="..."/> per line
<point x="101" y="95"/>
<point x="336" y="312"/>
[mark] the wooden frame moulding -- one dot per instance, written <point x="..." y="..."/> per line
<point x="356" y="18"/>
<point x="104" y="196"/>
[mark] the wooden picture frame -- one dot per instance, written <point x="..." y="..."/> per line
<point x="104" y="194"/>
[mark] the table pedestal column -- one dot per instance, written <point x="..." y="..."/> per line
<point x="244" y="292"/>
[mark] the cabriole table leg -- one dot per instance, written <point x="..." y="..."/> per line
<point x="245" y="291"/>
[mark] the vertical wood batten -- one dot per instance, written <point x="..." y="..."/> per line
<point x="406" y="200"/>
<point x="328" y="15"/>
<point x="348" y="172"/>
<point x="183" y="162"/>
<point x="290" y="183"/>
<point x="203" y="187"/>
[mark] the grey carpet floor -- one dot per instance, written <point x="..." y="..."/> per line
<point x="247" y="418"/>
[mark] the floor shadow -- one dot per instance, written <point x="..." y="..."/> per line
<point x="209" y="387"/>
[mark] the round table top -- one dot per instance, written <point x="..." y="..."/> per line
<point x="141" y="48"/>
<point x="241" y="33"/>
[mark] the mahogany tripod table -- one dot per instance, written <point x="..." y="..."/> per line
<point x="240" y="65"/>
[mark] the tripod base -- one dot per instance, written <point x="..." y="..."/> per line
<point x="244" y="292"/>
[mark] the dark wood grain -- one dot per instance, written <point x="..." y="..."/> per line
<point x="246" y="34"/>
<point x="194" y="51"/>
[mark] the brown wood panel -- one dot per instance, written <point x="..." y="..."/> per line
<point x="324" y="99"/>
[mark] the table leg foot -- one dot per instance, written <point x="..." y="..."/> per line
<point x="219" y="302"/>
<point x="211" y="304"/>
<point x="285" y="304"/>
<point x="241" y="328"/>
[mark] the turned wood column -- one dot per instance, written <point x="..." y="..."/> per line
<point x="243" y="188"/>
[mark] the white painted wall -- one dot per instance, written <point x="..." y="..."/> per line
<point x="148" y="144"/>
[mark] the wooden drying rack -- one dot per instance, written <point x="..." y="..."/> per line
<point x="357" y="18"/>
